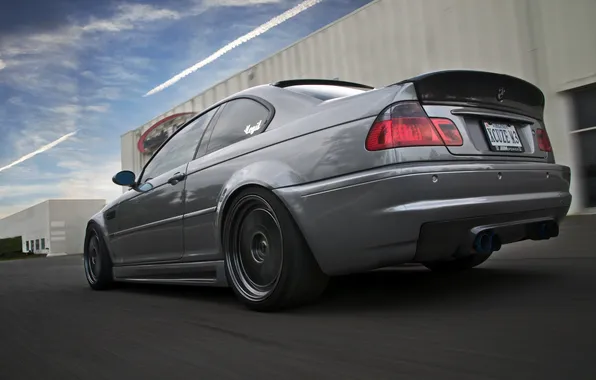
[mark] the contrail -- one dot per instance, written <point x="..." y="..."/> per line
<point x="247" y="37"/>
<point x="38" y="151"/>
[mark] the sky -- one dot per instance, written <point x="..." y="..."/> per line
<point x="81" y="68"/>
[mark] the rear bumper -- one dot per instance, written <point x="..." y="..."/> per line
<point x="396" y="214"/>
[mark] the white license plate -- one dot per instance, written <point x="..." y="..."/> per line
<point x="503" y="137"/>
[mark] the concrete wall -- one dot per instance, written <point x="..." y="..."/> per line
<point x="30" y="224"/>
<point x="60" y="222"/>
<point x="565" y="54"/>
<point x="68" y="220"/>
<point x="551" y="43"/>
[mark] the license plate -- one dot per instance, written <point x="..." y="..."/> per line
<point x="503" y="137"/>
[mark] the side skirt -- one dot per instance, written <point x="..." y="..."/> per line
<point x="205" y="273"/>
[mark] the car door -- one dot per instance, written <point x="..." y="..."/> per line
<point x="150" y="227"/>
<point x="239" y="119"/>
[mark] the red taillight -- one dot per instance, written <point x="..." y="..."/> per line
<point x="406" y="124"/>
<point x="543" y="140"/>
<point x="448" y="131"/>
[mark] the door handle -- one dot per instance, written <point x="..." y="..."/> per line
<point x="176" y="178"/>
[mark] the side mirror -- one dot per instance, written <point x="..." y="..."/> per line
<point x="124" y="178"/>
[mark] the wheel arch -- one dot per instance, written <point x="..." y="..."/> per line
<point x="96" y="225"/>
<point x="268" y="175"/>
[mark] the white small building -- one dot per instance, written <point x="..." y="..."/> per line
<point x="53" y="226"/>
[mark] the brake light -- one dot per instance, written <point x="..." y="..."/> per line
<point x="543" y="140"/>
<point x="448" y="131"/>
<point x="406" y="124"/>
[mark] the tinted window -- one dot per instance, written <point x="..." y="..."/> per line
<point x="326" y="92"/>
<point x="239" y="120"/>
<point x="179" y="150"/>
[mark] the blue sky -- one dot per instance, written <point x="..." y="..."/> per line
<point x="84" y="65"/>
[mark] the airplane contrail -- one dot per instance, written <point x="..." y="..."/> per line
<point x="239" y="41"/>
<point x="38" y="151"/>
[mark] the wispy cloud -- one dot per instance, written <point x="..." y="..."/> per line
<point x="125" y="17"/>
<point x="239" y="41"/>
<point x="38" y="151"/>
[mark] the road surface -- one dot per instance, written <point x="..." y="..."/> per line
<point x="528" y="313"/>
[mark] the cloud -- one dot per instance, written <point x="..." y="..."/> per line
<point x="232" y="45"/>
<point x="89" y="177"/>
<point x="97" y="108"/>
<point x="22" y="190"/>
<point x="17" y="49"/>
<point x="128" y="16"/>
<point x="77" y="110"/>
<point x="38" y="151"/>
<point x="2" y="64"/>
<point x="85" y="179"/>
<point x="82" y="176"/>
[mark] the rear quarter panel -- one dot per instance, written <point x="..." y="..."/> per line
<point x="315" y="143"/>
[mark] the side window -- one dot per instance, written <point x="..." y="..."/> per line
<point x="179" y="150"/>
<point x="240" y="119"/>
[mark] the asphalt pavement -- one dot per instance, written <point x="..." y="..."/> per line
<point x="527" y="313"/>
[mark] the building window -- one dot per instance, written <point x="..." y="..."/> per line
<point x="43" y="243"/>
<point x="32" y="245"/>
<point x="27" y="249"/>
<point x="37" y="244"/>
<point x="585" y="132"/>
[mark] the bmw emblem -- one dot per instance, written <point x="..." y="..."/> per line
<point x="501" y="94"/>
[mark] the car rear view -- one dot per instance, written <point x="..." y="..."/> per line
<point x="474" y="170"/>
<point x="497" y="185"/>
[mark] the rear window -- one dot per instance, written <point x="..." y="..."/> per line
<point x="326" y="92"/>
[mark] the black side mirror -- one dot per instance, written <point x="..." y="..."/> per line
<point x="124" y="178"/>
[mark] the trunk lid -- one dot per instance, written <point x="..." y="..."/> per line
<point x="496" y="114"/>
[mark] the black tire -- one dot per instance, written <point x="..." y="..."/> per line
<point x="97" y="261"/>
<point x="268" y="263"/>
<point x="458" y="265"/>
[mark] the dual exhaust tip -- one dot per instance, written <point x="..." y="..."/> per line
<point x="487" y="242"/>
<point x="543" y="231"/>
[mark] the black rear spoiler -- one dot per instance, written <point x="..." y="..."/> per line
<point x="479" y="89"/>
<point x="329" y="82"/>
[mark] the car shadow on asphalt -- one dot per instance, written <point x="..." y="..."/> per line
<point x="420" y="290"/>
<point x="404" y="289"/>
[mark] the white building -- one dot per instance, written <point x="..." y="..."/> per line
<point x="53" y="226"/>
<point x="551" y="43"/>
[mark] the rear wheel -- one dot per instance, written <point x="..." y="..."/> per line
<point x="97" y="261"/>
<point x="268" y="263"/>
<point x="458" y="265"/>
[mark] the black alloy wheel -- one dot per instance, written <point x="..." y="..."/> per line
<point x="257" y="243"/>
<point x="96" y="261"/>
<point x="268" y="263"/>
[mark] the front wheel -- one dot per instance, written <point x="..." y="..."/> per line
<point x="268" y="263"/>
<point x="97" y="261"/>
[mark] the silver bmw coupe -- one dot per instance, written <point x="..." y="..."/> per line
<point x="275" y="189"/>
